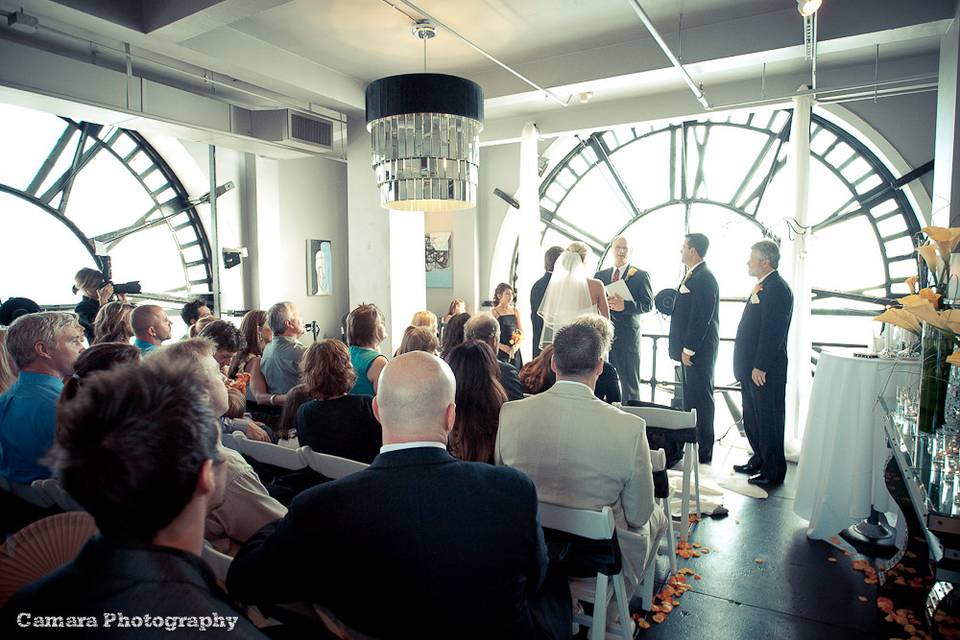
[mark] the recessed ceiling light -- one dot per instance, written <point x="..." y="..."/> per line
<point x="808" y="7"/>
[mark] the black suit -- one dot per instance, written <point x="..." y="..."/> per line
<point x="536" y="298"/>
<point x="762" y="344"/>
<point x="625" y="353"/>
<point x="418" y="545"/>
<point x="510" y="379"/>
<point x="695" y="325"/>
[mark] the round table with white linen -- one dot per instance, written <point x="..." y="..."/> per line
<point x="844" y="449"/>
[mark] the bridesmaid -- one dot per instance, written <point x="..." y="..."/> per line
<point x="511" y="330"/>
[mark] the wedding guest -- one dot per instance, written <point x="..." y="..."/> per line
<point x="462" y="537"/>
<point x="537" y="375"/>
<point x="511" y="329"/>
<point x="112" y="323"/>
<point x="8" y="368"/>
<point x="365" y="333"/>
<point x="333" y="421"/>
<point x="760" y="365"/>
<point x="256" y="335"/>
<point x="296" y="397"/>
<point x="536" y="295"/>
<point x="485" y="328"/>
<point x="137" y="448"/>
<point x="453" y="333"/>
<point x="425" y="319"/>
<point x="100" y="357"/>
<point x="200" y="324"/>
<point x="281" y="356"/>
<point x="608" y="384"/>
<point x="695" y="337"/>
<point x="542" y="434"/>
<point x="625" y="353"/>
<point x="479" y="398"/>
<point x="228" y="340"/>
<point x="418" y="339"/>
<point x="457" y="306"/>
<point x="151" y="326"/>
<point x="96" y="293"/>
<point x="191" y="313"/>
<point x="44" y="346"/>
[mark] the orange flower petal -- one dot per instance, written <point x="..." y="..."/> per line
<point x="659" y="617"/>
<point x="759" y="560"/>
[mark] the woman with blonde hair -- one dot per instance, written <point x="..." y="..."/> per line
<point x="8" y="368"/>
<point x="112" y="323"/>
<point x="571" y="293"/>
<point x="257" y="334"/>
<point x="96" y="293"/>
<point x="424" y="319"/>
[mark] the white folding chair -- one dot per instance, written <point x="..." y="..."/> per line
<point x="218" y="562"/>
<point x="330" y="466"/>
<point x="51" y="488"/>
<point x="593" y="525"/>
<point x="674" y="420"/>
<point x="229" y="440"/>
<point x="269" y="453"/>
<point x="26" y="492"/>
<point x="658" y="459"/>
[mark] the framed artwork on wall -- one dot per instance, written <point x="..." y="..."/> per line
<point x="319" y="267"/>
<point x="437" y="262"/>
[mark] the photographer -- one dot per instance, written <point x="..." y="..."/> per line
<point x="96" y="292"/>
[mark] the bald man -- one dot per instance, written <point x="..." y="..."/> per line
<point x="458" y="543"/>
<point x="151" y="326"/>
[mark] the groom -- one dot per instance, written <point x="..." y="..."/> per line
<point x="625" y="353"/>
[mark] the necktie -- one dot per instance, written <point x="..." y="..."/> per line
<point x="616" y="275"/>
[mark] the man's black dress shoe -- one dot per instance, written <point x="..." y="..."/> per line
<point x="748" y="469"/>
<point x="762" y="481"/>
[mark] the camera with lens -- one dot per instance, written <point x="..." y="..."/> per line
<point x="106" y="269"/>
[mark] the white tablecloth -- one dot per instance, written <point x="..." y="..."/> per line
<point x="844" y="449"/>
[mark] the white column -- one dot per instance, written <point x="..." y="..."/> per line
<point x="793" y="265"/>
<point x="529" y="266"/>
<point x="946" y="169"/>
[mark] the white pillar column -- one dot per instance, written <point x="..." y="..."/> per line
<point x="528" y="268"/>
<point x="793" y="263"/>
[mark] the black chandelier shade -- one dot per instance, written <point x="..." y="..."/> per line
<point x="424" y="93"/>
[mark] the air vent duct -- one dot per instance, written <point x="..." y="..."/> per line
<point x="307" y="132"/>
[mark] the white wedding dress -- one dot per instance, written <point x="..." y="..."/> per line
<point x="567" y="296"/>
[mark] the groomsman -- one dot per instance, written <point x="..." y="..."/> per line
<point x="625" y="353"/>
<point x="760" y="365"/>
<point x="694" y="337"/>
<point x="537" y="292"/>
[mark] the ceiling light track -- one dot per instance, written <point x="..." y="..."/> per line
<point x="694" y="87"/>
<point x="546" y="92"/>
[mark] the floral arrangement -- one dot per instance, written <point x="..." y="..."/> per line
<point x="240" y="382"/>
<point x="516" y="337"/>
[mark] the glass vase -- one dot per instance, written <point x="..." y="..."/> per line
<point x="934" y="377"/>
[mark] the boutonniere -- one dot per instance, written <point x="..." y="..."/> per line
<point x="754" y="295"/>
<point x="683" y="289"/>
<point x="632" y="271"/>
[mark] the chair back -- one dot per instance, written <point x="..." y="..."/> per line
<point x="658" y="459"/>
<point x="671" y="419"/>
<point x="51" y="488"/>
<point x="27" y="492"/>
<point x="229" y="440"/>
<point x="586" y="523"/>
<point x="268" y="453"/>
<point x="329" y="466"/>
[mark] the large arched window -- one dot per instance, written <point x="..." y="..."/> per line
<point x="724" y="177"/>
<point x="72" y="190"/>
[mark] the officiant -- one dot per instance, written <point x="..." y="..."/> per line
<point x="625" y="314"/>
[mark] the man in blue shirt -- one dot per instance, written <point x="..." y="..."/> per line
<point x="151" y="325"/>
<point x="44" y="347"/>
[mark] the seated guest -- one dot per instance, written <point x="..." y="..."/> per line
<point x="608" y="384"/>
<point x="256" y="335"/>
<point x="191" y="312"/>
<point x="281" y="356"/>
<point x="228" y="340"/>
<point x="96" y="292"/>
<point x="201" y="350"/>
<point x="453" y="333"/>
<point x="287" y="427"/>
<point x="335" y="422"/>
<point x="425" y="319"/>
<point x="8" y="368"/>
<point x="418" y="339"/>
<point x="485" y="328"/>
<point x="365" y="332"/>
<point x="44" y="346"/>
<point x="540" y="435"/>
<point x="537" y="375"/>
<point x="242" y="506"/>
<point x="99" y="357"/>
<point x="151" y="326"/>
<point x="137" y="447"/>
<point x="479" y="398"/>
<point x="113" y="323"/>
<point x="459" y="538"/>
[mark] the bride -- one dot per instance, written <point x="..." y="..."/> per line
<point x="571" y="293"/>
